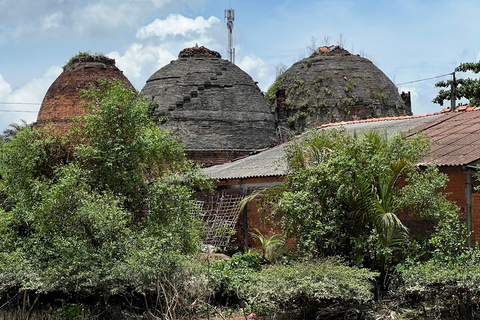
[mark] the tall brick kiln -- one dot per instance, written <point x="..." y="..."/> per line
<point x="333" y="85"/>
<point x="212" y="106"/>
<point x="63" y="101"/>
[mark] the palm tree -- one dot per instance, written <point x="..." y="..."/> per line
<point x="9" y="134"/>
<point x="271" y="246"/>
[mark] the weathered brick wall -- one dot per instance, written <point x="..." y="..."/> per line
<point x="213" y="157"/>
<point x="455" y="191"/>
<point x="63" y="99"/>
<point x="475" y="217"/>
<point x="456" y="186"/>
<point x="211" y="104"/>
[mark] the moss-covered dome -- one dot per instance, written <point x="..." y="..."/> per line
<point x="211" y="105"/>
<point x="333" y="85"/>
<point x="63" y="101"/>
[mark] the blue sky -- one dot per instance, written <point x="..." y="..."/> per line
<point x="407" y="39"/>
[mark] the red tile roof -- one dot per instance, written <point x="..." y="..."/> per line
<point x="335" y="124"/>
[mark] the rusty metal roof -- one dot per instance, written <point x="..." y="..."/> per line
<point x="271" y="162"/>
<point x="455" y="136"/>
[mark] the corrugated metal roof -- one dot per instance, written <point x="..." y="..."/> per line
<point x="268" y="163"/>
<point x="456" y="137"/>
<point x="271" y="162"/>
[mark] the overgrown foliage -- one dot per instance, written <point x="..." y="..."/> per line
<point x="307" y="287"/>
<point x="10" y="133"/>
<point x="468" y="88"/>
<point x="104" y="210"/>
<point x="444" y="290"/>
<point x="80" y="55"/>
<point x="272" y="246"/>
<point x="300" y="288"/>
<point x="344" y="194"/>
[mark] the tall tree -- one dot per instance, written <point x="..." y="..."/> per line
<point x="101" y="209"/>
<point x="468" y="88"/>
<point x="344" y="194"/>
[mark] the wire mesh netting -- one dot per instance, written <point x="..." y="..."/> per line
<point x="220" y="213"/>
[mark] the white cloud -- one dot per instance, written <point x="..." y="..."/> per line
<point x="35" y="89"/>
<point x="5" y="89"/>
<point x="177" y="32"/>
<point x="32" y="92"/>
<point x="258" y="70"/>
<point x="52" y="21"/>
<point x="140" y="59"/>
<point x="176" y="24"/>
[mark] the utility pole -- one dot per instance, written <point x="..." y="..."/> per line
<point x="452" y="94"/>
<point x="230" y="16"/>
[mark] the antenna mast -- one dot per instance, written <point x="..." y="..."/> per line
<point x="230" y="16"/>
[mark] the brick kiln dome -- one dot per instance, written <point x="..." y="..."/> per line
<point x="333" y="85"/>
<point x="212" y="106"/>
<point x="62" y="100"/>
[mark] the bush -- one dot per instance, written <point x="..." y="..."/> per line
<point x="450" y="289"/>
<point x="306" y="286"/>
<point x="228" y="276"/>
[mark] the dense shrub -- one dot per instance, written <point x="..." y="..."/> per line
<point x="444" y="289"/>
<point x="306" y="286"/>
<point x="99" y="214"/>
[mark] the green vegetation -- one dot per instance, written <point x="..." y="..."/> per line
<point x="305" y="288"/>
<point x="10" y="133"/>
<point x="301" y="288"/>
<point x="349" y="85"/>
<point x="82" y="55"/>
<point x="381" y="96"/>
<point x="350" y="101"/>
<point x="97" y="223"/>
<point x="102" y="211"/>
<point x="271" y="247"/>
<point x="464" y="88"/>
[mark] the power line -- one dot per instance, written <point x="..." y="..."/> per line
<point x="29" y="103"/>
<point x="443" y="75"/>
<point x="20" y="111"/>
<point x="20" y="103"/>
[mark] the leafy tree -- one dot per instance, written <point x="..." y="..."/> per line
<point x="104" y="209"/>
<point x="464" y="88"/>
<point x="122" y="148"/>
<point x="344" y="194"/>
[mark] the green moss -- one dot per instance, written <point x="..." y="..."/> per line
<point x="321" y="104"/>
<point x="294" y="119"/>
<point x="351" y="101"/>
<point x="317" y="83"/>
<point x="381" y="96"/>
<point x="271" y="93"/>
<point x="349" y="85"/>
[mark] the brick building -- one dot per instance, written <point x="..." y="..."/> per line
<point x="268" y="168"/>
<point x="456" y="150"/>
<point x="212" y="106"/>
<point x="63" y="100"/>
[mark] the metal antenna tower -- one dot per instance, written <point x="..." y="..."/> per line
<point x="230" y="16"/>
